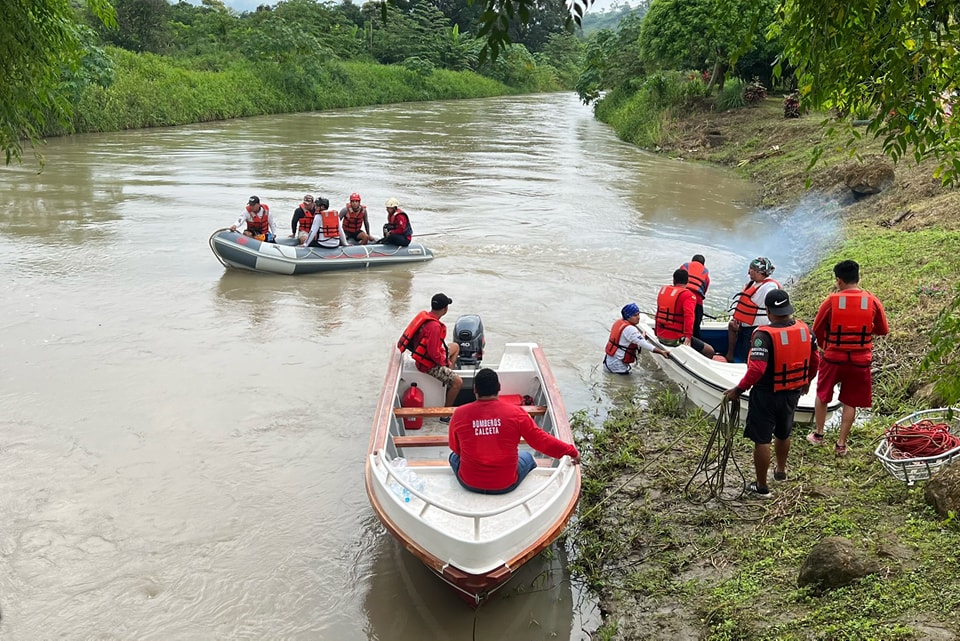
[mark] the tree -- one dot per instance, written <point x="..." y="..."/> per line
<point x="898" y="60"/>
<point x="39" y="41"/>
<point x="141" y="25"/>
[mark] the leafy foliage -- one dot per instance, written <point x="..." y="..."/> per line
<point x="901" y="58"/>
<point x="754" y="93"/>
<point x="943" y="359"/>
<point x="39" y="39"/>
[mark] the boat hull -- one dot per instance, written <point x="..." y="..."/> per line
<point x="237" y="251"/>
<point x="473" y="542"/>
<point x="705" y="380"/>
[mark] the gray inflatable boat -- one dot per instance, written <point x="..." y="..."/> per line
<point x="237" y="251"/>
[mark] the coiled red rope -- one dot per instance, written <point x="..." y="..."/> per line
<point x="921" y="439"/>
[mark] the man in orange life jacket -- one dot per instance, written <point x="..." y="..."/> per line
<point x="626" y="340"/>
<point x="303" y="219"/>
<point x="783" y="360"/>
<point x="424" y="337"/>
<point x="845" y="324"/>
<point x="748" y="310"/>
<point x="354" y="219"/>
<point x="257" y="220"/>
<point x="326" y="230"/>
<point x="484" y="436"/>
<point x="675" y="315"/>
<point x="397" y="230"/>
<point x="698" y="282"/>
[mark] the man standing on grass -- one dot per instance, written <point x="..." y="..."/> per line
<point x="783" y="360"/>
<point x="846" y="324"/>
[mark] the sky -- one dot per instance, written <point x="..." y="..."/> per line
<point x="250" y="5"/>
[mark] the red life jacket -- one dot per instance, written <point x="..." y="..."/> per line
<point x="353" y="220"/>
<point x="259" y="222"/>
<point x="613" y="344"/>
<point x="791" y="355"/>
<point x="395" y="221"/>
<point x="307" y="221"/>
<point x="851" y="321"/>
<point x="699" y="278"/>
<point x="746" y="311"/>
<point x="330" y="223"/>
<point x="669" y="314"/>
<point x="412" y="341"/>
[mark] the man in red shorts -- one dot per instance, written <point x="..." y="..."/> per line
<point x="845" y="326"/>
<point x="484" y="436"/>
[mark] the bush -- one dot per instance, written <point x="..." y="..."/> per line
<point x="754" y="93"/>
<point x="791" y="106"/>
<point x="731" y="96"/>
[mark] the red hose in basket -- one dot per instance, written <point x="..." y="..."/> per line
<point x="921" y="439"/>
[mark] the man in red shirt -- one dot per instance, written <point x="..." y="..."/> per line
<point x="698" y="283"/>
<point x="484" y="436"/>
<point x="425" y="338"/>
<point x="845" y="326"/>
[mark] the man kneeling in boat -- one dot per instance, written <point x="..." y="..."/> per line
<point x="425" y="337"/>
<point x="484" y="436"/>
<point x="626" y="340"/>
<point x="257" y="221"/>
<point x="676" y="313"/>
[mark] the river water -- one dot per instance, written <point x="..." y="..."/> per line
<point x="182" y="446"/>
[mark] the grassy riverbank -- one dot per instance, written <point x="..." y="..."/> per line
<point x="668" y="568"/>
<point x="152" y="91"/>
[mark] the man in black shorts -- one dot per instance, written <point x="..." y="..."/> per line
<point x="783" y="360"/>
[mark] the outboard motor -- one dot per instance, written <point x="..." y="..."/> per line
<point x="468" y="332"/>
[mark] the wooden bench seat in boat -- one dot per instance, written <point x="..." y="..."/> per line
<point x="427" y="412"/>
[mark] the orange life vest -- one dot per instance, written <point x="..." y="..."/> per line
<point x="259" y="222"/>
<point x="669" y="315"/>
<point x="307" y="221"/>
<point x="851" y="321"/>
<point x="412" y="341"/>
<point x="746" y="311"/>
<point x="329" y="223"/>
<point x="353" y="220"/>
<point x="791" y="355"/>
<point x="698" y="276"/>
<point x="614" y="343"/>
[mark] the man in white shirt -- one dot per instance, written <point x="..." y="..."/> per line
<point x="327" y="230"/>
<point x="626" y="340"/>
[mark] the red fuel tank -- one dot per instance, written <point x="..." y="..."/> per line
<point x="413" y="397"/>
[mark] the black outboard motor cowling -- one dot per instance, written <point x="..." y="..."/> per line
<point x="468" y="332"/>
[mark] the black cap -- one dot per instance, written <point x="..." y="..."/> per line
<point x="439" y="301"/>
<point x="778" y="303"/>
<point x="254" y="200"/>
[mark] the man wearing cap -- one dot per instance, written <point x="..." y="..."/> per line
<point x="326" y="230"/>
<point x="748" y="310"/>
<point x="626" y="340"/>
<point x="783" y="360"/>
<point x="425" y="338"/>
<point x="676" y="311"/>
<point x="845" y="324"/>
<point x="354" y="219"/>
<point x="303" y="219"/>
<point x="397" y="230"/>
<point x="257" y="221"/>
<point x="484" y="436"/>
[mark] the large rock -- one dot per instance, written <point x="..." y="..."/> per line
<point x="833" y="563"/>
<point x="942" y="491"/>
<point x="871" y="176"/>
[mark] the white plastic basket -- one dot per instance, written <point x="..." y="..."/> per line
<point x="911" y="470"/>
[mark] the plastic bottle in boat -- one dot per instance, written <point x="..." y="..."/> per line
<point x="408" y="476"/>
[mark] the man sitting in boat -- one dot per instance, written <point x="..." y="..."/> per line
<point x="303" y="219"/>
<point x="425" y="338"/>
<point x="625" y="340"/>
<point x="749" y="311"/>
<point x="326" y="230"/>
<point x="676" y="311"/>
<point x="354" y="219"/>
<point x="257" y="221"/>
<point x="484" y="436"/>
<point x="397" y="230"/>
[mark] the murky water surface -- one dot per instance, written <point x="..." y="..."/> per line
<point x="182" y="446"/>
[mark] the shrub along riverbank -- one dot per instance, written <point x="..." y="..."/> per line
<point x="144" y="90"/>
<point x="666" y="568"/>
